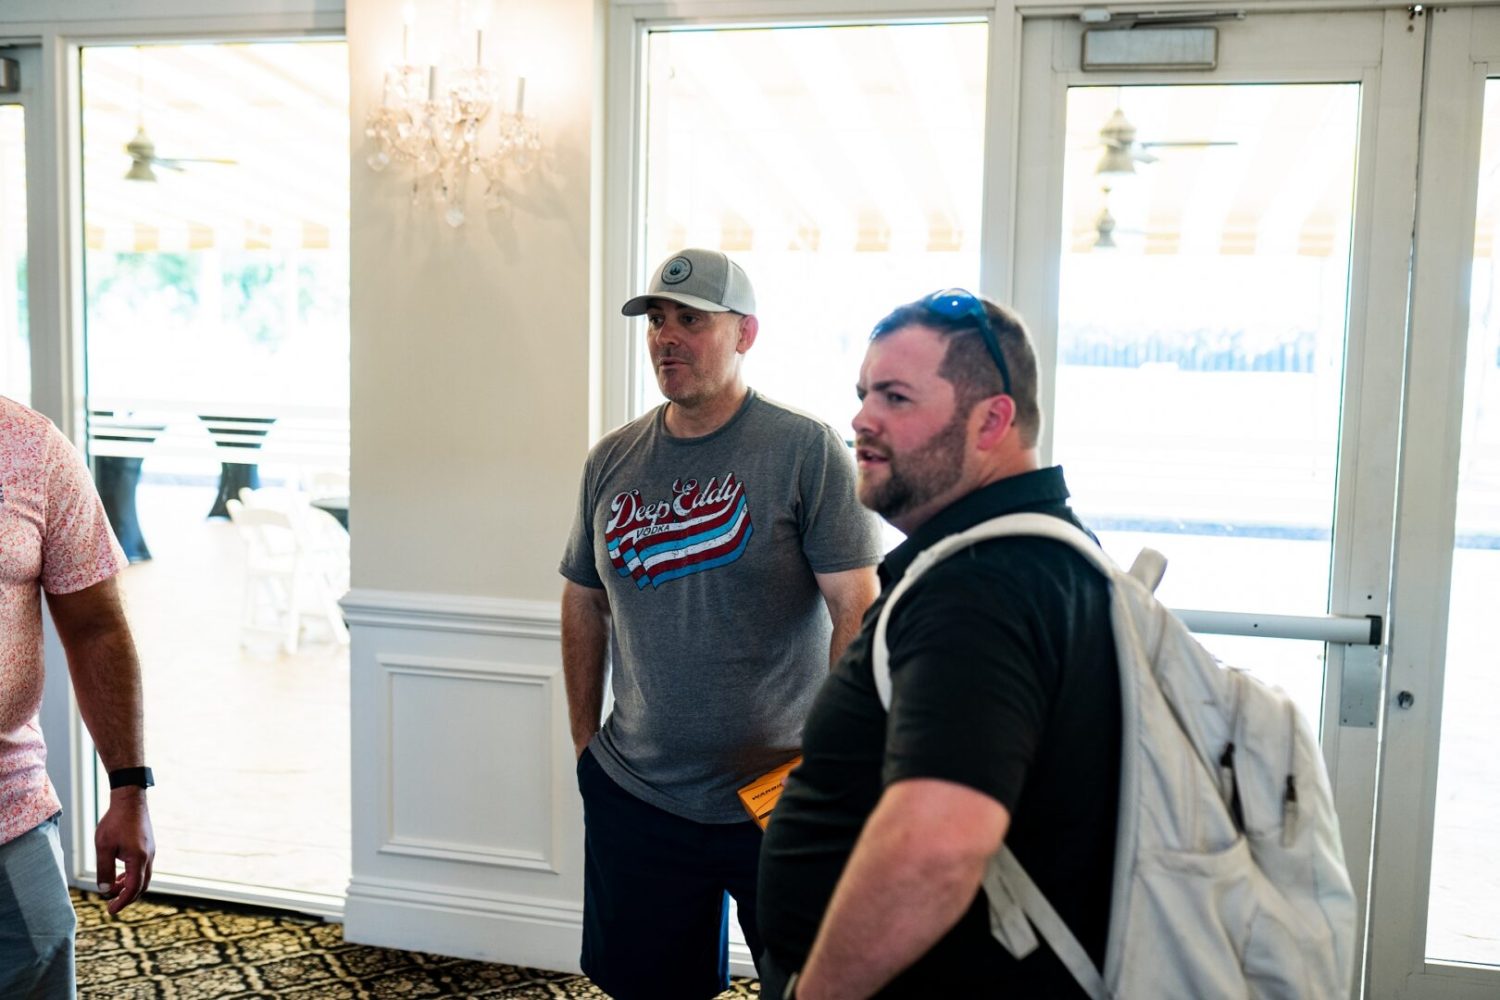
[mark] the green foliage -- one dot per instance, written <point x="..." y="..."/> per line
<point x="251" y="302"/>
<point x="167" y="279"/>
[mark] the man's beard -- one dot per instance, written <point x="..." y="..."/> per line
<point x="916" y="477"/>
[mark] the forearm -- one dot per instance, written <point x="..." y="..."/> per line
<point x="107" y="683"/>
<point x="903" y="889"/>
<point x="845" y="628"/>
<point x="105" y="670"/>
<point x="585" y="650"/>
<point x="848" y="595"/>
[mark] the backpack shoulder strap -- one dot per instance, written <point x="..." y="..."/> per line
<point x="1035" y="525"/>
<point x="1004" y="878"/>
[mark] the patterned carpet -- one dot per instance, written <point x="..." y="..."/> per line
<point x="179" y="949"/>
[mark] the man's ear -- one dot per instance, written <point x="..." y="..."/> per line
<point x="997" y="415"/>
<point x="749" y="327"/>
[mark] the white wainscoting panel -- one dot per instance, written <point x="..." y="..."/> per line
<point x="489" y="716"/>
<point x="468" y="831"/>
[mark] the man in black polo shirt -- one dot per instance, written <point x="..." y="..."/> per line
<point x="1004" y="721"/>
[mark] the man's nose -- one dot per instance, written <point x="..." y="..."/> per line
<point x="668" y="333"/>
<point x="862" y="423"/>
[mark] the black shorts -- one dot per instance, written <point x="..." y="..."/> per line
<point x="656" y="894"/>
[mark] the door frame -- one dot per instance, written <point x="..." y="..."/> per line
<point x="1465" y="50"/>
<point x="54" y="392"/>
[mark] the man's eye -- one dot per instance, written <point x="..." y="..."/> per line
<point x="894" y="397"/>
<point x="655" y="322"/>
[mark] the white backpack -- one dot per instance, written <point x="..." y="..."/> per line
<point x="1229" y="872"/>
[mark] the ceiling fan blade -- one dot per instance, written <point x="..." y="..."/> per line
<point x="1190" y="143"/>
<point x="175" y="162"/>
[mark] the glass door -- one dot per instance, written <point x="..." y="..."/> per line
<point x="215" y="195"/>
<point x="1213" y="247"/>
<point x="1435" y="925"/>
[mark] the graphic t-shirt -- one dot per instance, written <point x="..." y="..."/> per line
<point x="707" y="547"/>
<point x="53" y="536"/>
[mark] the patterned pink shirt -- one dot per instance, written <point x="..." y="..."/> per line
<point x="53" y="535"/>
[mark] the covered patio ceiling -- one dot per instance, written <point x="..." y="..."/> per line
<point x="257" y="104"/>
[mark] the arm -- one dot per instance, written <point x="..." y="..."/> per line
<point x="107" y="682"/>
<point x="585" y="648"/>
<point x="849" y="595"/>
<point x="913" y="874"/>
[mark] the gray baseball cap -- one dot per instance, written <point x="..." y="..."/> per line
<point x="703" y="279"/>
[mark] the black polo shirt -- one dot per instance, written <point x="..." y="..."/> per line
<point x="1004" y="679"/>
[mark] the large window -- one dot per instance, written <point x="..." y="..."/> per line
<point x="840" y="166"/>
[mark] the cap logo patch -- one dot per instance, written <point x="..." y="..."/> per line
<point x="676" y="271"/>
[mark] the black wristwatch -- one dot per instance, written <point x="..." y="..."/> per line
<point x="790" y="993"/>
<point x="139" y="777"/>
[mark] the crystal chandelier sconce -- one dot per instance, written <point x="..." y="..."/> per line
<point x="444" y="125"/>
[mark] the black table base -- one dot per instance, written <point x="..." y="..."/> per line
<point x="233" y="477"/>
<point x="229" y="433"/>
<point x="116" y="479"/>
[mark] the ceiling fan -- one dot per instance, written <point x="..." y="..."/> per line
<point x="142" y="150"/>
<point x="1122" y="151"/>
<point x="143" y="158"/>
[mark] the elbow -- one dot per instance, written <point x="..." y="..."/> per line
<point x="947" y="833"/>
<point x="951" y="860"/>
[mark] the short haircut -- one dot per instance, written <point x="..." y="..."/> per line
<point x="968" y="365"/>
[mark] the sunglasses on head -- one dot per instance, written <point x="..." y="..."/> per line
<point x="960" y="308"/>
<point x="955" y="308"/>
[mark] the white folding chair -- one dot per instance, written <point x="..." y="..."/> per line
<point x="273" y="575"/>
<point x="286" y="578"/>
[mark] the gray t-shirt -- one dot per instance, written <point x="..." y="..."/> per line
<point x="707" y="547"/>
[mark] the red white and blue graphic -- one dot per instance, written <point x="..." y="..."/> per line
<point x="702" y="526"/>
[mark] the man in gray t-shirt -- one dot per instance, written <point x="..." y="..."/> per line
<point x="719" y="544"/>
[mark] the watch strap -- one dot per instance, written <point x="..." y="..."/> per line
<point x="140" y="777"/>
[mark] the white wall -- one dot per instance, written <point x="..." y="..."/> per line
<point x="470" y="415"/>
<point x="471" y="346"/>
